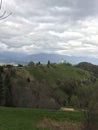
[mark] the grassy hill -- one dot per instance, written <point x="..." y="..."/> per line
<point x="54" y="71"/>
<point x="50" y="86"/>
<point x="45" y="86"/>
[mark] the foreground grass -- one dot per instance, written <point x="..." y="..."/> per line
<point x="26" y="119"/>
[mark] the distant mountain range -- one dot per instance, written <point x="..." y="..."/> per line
<point x="22" y="58"/>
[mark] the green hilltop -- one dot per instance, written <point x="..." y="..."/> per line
<point x="53" y="73"/>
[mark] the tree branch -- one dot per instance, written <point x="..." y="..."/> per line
<point x="4" y="14"/>
<point x="0" y="4"/>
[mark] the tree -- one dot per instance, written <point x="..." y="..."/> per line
<point x="1" y="90"/>
<point x="75" y="101"/>
<point x="8" y="90"/>
<point x="4" y="15"/>
<point x="1" y="69"/>
<point x="28" y="80"/>
<point x="91" y="115"/>
<point x="48" y="64"/>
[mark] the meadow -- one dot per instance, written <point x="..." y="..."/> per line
<point x="28" y="119"/>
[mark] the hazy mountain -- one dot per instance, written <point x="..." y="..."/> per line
<point x="12" y="57"/>
<point x="22" y="58"/>
<point x="58" y="58"/>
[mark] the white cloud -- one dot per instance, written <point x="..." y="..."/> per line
<point x="50" y="26"/>
<point x="3" y="47"/>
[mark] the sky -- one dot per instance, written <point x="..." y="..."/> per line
<point x="67" y="27"/>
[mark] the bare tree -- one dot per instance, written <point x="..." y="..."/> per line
<point x="4" y="15"/>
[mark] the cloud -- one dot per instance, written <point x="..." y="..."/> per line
<point x="67" y="27"/>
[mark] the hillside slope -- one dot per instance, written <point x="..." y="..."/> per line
<point x="45" y="86"/>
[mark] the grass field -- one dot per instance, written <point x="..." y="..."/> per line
<point x="26" y="119"/>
